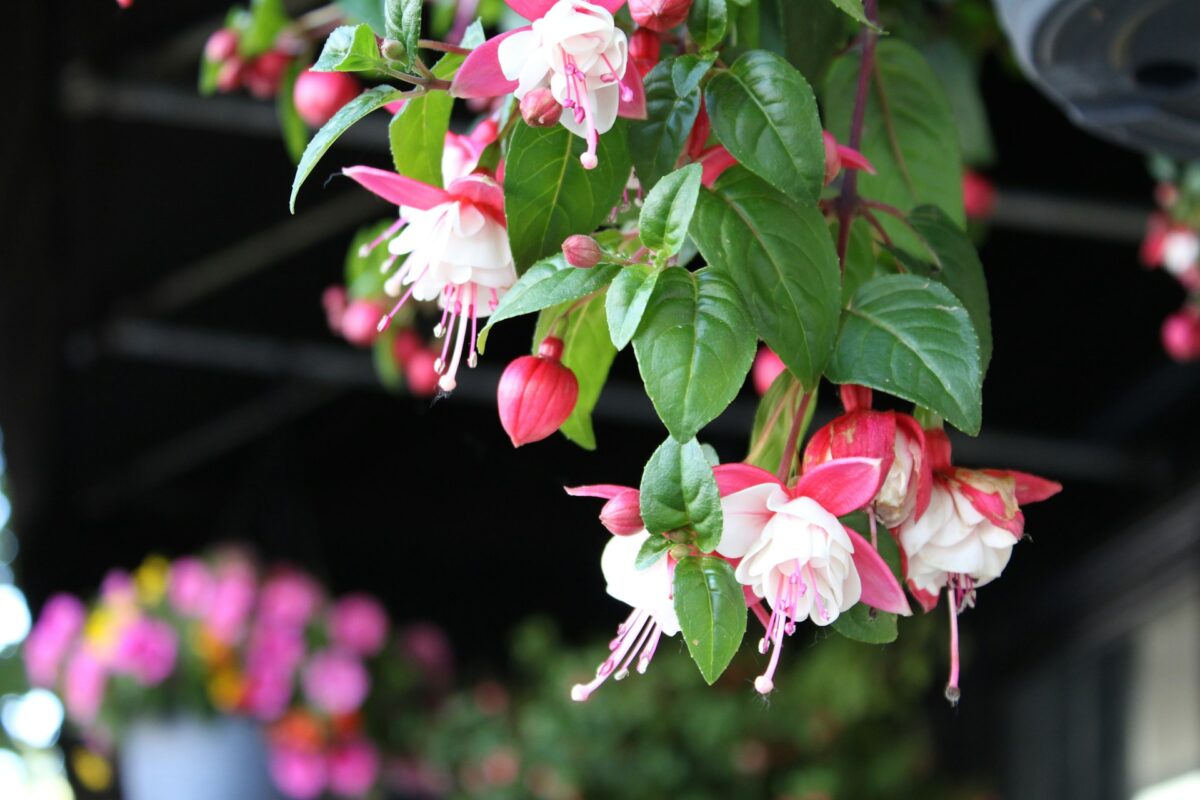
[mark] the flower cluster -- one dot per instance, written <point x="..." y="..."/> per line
<point x="1172" y="242"/>
<point x="272" y="647"/>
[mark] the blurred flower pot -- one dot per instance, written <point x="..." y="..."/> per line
<point x="192" y="759"/>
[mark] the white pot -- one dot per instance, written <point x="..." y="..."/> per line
<point x="191" y="759"/>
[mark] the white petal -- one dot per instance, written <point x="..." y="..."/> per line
<point x="745" y="514"/>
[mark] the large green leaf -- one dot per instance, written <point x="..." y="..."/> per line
<point x="349" y="48"/>
<point x="957" y="266"/>
<point x="678" y="490"/>
<point x="694" y="347"/>
<point x="780" y="254"/>
<point x="402" y="22"/>
<point x="549" y="282"/>
<point x="260" y="27"/>
<point x="418" y="131"/>
<point x="548" y="193"/>
<point x="370" y="100"/>
<point x="657" y="141"/>
<point x="368" y="11"/>
<point x="773" y="421"/>
<point x="588" y="353"/>
<point x="909" y="134"/>
<point x="854" y="10"/>
<point x="764" y="112"/>
<point x="712" y="612"/>
<point x="667" y="211"/>
<point x="959" y="73"/>
<point x="626" y="301"/>
<point x="910" y="336"/>
<point x="688" y="70"/>
<point x="810" y="33"/>
<point x="707" y="22"/>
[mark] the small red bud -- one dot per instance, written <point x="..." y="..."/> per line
<point x="1181" y="335"/>
<point x="419" y="373"/>
<point x="221" y="46"/>
<point x="320" y="95"/>
<point x="833" y="159"/>
<point x="536" y="394"/>
<point x="229" y="76"/>
<point x="979" y="196"/>
<point x="263" y="75"/>
<point x="767" y="367"/>
<point x="406" y="345"/>
<point x="539" y="109"/>
<point x="622" y="515"/>
<point x="334" y="301"/>
<point x="581" y="251"/>
<point x="659" y="15"/>
<point x="125" y="3"/>
<point x="645" y="46"/>
<point x="360" y="322"/>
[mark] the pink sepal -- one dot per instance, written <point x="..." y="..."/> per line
<point x="842" y="485"/>
<point x="737" y="476"/>
<point x="852" y="159"/>
<point x="397" y="189"/>
<point x="855" y="397"/>
<point x="858" y="434"/>
<point x="927" y="600"/>
<point x="937" y="449"/>
<point x="480" y="75"/>
<point x="910" y="427"/>
<point x="635" y="106"/>
<point x="605" y="491"/>
<point x="530" y="9"/>
<point x="713" y="162"/>
<point x="1029" y="488"/>
<point x="994" y="497"/>
<point x="880" y="589"/>
<point x="481" y="192"/>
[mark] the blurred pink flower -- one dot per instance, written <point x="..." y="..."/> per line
<point x="289" y="598"/>
<point x="299" y="774"/>
<point x="336" y="682"/>
<point x="268" y="693"/>
<point x="117" y="588"/>
<point x="353" y="768"/>
<point x="60" y="622"/>
<point x="232" y="600"/>
<point x="426" y="645"/>
<point x="359" y="624"/>
<point x="83" y="686"/>
<point x="190" y="587"/>
<point x="147" y="650"/>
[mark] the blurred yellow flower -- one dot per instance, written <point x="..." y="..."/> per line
<point x="151" y="580"/>
<point x="92" y="769"/>
<point x="225" y="689"/>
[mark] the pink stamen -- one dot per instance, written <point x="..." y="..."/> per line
<point x="816" y="593"/>
<point x="629" y="637"/>
<point x="494" y="301"/>
<point x="953" y="693"/>
<point x="387" y="319"/>
<point x="366" y="249"/>
<point x="447" y="381"/>
<point x="473" y="358"/>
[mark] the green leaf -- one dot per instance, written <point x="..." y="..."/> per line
<point x="548" y="193"/>
<point x="418" y="131"/>
<point x="959" y="74"/>
<point x="694" y="347"/>
<point x="779" y="252"/>
<point x="588" y="353"/>
<point x="295" y="132"/>
<point x="854" y="10"/>
<point x="911" y="337"/>
<point x="688" y="70"/>
<point x="909" y="134"/>
<point x="678" y="490"/>
<point x="812" y="31"/>
<point x="861" y="262"/>
<point x="657" y="141"/>
<point x="549" y="282"/>
<point x="402" y="22"/>
<point x="667" y="210"/>
<point x="651" y="551"/>
<point x="765" y="114"/>
<point x="370" y="100"/>
<point x="383" y="358"/>
<point x="773" y="421"/>
<point x="261" y="27"/>
<point x="864" y="624"/>
<point x="368" y="11"/>
<point x="712" y="612"/>
<point x="626" y="302"/>
<point x="957" y="267"/>
<point x="707" y="23"/>
<point x="349" y="49"/>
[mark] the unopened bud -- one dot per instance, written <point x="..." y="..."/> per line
<point x="767" y="367"/>
<point x="264" y="74"/>
<point x="419" y="373"/>
<point x="536" y="394"/>
<point x="622" y="515"/>
<point x="659" y="15"/>
<point x="393" y="50"/>
<point x="979" y="196"/>
<point x="360" y="322"/>
<point x="320" y="95"/>
<point x="221" y="46"/>
<point x="406" y="345"/>
<point x="539" y="109"/>
<point x="1181" y="335"/>
<point x="679" y="552"/>
<point x="581" y="251"/>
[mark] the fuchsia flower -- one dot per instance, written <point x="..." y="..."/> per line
<point x="979" y="196"/>
<point x="649" y="592"/>
<point x="190" y="587"/>
<point x="536" y="394"/>
<point x="622" y="514"/>
<point x="573" y="48"/>
<point x="839" y="157"/>
<point x="794" y="553"/>
<point x="659" y="15"/>
<point x="456" y="244"/>
<point x="645" y="47"/>
<point x="59" y="623"/>
<point x="147" y="650"/>
<point x="966" y="535"/>
<point x="353" y="768"/>
<point x="359" y="624"/>
<point x="336" y="682"/>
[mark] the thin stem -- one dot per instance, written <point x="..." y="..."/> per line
<point x="789" y="450"/>
<point x="892" y="211"/>
<point x="870" y="217"/>
<point x="442" y="47"/>
<point x="848" y="199"/>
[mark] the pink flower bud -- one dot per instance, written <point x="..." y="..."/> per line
<point x="833" y="160"/>
<point x="125" y="3"/>
<point x="659" y="15"/>
<point x="420" y="375"/>
<point x="229" y="76"/>
<point x="221" y="46"/>
<point x="406" y="345"/>
<point x="581" y="251"/>
<point x="979" y="196"/>
<point x="539" y="109"/>
<point x="360" y="322"/>
<point x="536" y="394"/>
<point x="767" y="367"/>
<point x="320" y="95"/>
<point x="645" y="47"/>
<point x="1181" y="335"/>
<point x="622" y="515"/>
<point x="263" y="75"/>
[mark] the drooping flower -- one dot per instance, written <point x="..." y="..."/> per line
<point x="839" y="157"/>
<point x="965" y="537"/>
<point x="659" y="15"/>
<point x="622" y="514"/>
<point x="536" y="394"/>
<point x="649" y="592"/>
<point x="455" y="242"/>
<point x="572" y="47"/>
<point x="793" y="551"/>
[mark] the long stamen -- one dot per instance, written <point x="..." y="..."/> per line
<point x="473" y="358"/>
<point x="387" y="319"/>
<point x="816" y="593"/>
<point x="648" y="650"/>
<point x="439" y="366"/>
<point x="953" y="693"/>
<point x="588" y="159"/>
<point x="623" y="671"/>
<point x="366" y="249"/>
<point x="581" y="691"/>
<point x="447" y="382"/>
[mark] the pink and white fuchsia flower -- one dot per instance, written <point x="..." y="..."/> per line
<point x="455" y="243"/>
<point x="649" y="592"/>
<point x="792" y="551"/>
<point x="575" y="49"/>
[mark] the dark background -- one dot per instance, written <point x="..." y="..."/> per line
<point x="167" y="380"/>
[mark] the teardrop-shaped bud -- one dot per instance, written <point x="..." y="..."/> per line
<point x="833" y="160"/>
<point x="420" y="373"/>
<point x="1181" y="335"/>
<point x="767" y="367"/>
<point x="360" y="322"/>
<point x="659" y="15"/>
<point x="320" y="95"/>
<point x="622" y="515"/>
<point x="406" y="345"/>
<point x="264" y="74"/>
<point x="979" y="196"/>
<point x="536" y="394"/>
<point x="581" y="251"/>
<point x="221" y="46"/>
<point x="539" y="109"/>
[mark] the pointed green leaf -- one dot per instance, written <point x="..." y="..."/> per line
<point x="865" y="624"/>
<point x="349" y="48"/>
<point x="418" y="131"/>
<point x="402" y="22"/>
<point x="588" y="353"/>
<point x="651" y="551"/>
<point x="854" y="10"/>
<point x="707" y="22"/>
<point x="911" y="337"/>
<point x="678" y="490"/>
<point x="295" y="132"/>
<point x="712" y="612"/>
<point x="688" y="70"/>
<point x="812" y="32"/>
<point x="657" y="142"/>
<point x="626" y="302"/>
<point x="667" y="210"/>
